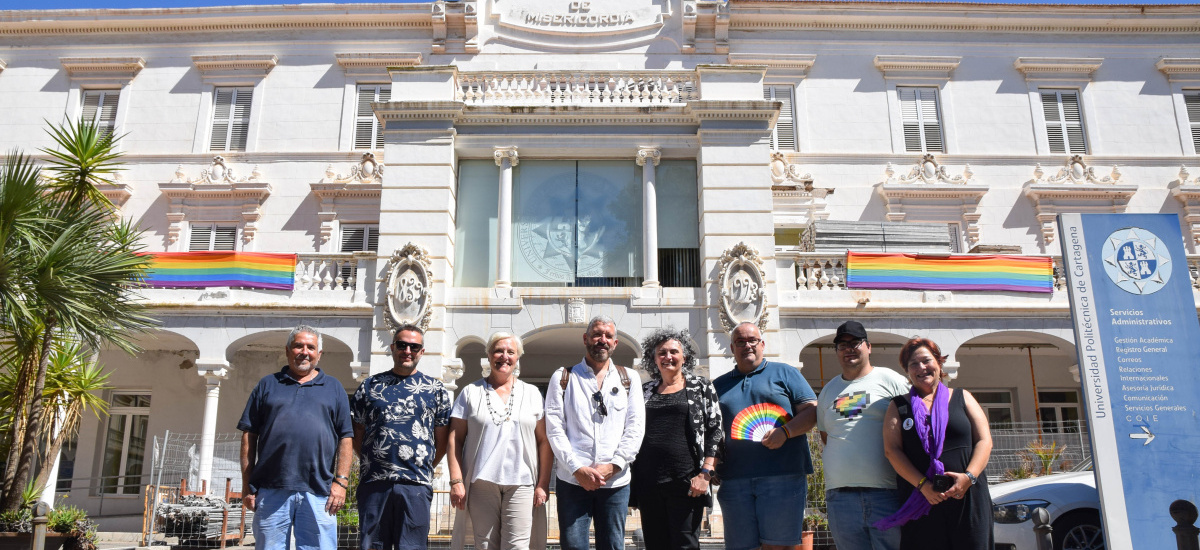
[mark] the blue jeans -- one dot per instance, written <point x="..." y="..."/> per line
<point x="278" y="513"/>
<point x="852" y="510"/>
<point x="763" y="510"/>
<point x="577" y="507"/>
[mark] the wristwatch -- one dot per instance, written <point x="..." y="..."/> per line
<point x="972" y="477"/>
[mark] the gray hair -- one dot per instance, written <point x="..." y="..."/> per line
<point x="408" y="327"/>
<point x="661" y="336"/>
<point x="600" y="320"/>
<point x="497" y="337"/>
<point x="739" y="325"/>
<point x="304" y="329"/>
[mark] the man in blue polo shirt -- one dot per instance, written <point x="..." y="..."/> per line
<point x="763" y="473"/>
<point x="296" y="423"/>
<point x="401" y="425"/>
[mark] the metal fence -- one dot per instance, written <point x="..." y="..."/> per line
<point x="1024" y="449"/>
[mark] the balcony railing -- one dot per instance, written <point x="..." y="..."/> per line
<point x="817" y="271"/>
<point x="601" y="88"/>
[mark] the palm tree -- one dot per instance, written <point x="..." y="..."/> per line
<point x="67" y="267"/>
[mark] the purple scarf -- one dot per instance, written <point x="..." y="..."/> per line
<point x="931" y="428"/>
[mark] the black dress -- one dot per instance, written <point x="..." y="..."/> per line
<point x="954" y="524"/>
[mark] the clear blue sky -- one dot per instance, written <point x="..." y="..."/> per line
<point x="67" y="4"/>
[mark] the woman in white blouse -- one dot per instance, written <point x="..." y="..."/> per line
<point x="500" y="460"/>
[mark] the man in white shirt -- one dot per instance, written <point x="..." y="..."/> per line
<point x="595" y="425"/>
<point x="860" y="484"/>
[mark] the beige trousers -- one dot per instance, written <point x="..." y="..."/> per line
<point x="501" y="515"/>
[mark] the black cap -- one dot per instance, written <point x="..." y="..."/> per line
<point x="854" y="329"/>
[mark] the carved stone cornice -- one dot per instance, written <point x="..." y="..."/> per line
<point x="234" y="68"/>
<point x="1186" y="190"/>
<point x="791" y="64"/>
<point x="924" y="67"/>
<point x="929" y="193"/>
<point x="359" y="190"/>
<point x="216" y="192"/>
<point x="1075" y="189"/>
<point x="499" y="154"/>
<point x="648" y="154"/>
<point x="796" y="201"/>
<point x="367" y="171"/>
<point x="705" y="26"/>
<point x="115" y="70"/>
<point x="1058" y="68"/>
<point x="375" y="64"/>
<point x="117" y="192"/>
<point x="1180" y="69"/>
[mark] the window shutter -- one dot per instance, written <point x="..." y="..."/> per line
<point x="373" y="238"/>
<point x="1192" y="102"/>
<point x="352" y="238"/>
<point x="100" y="108"/>
<point x="1064" y="121"/>
<point x="225" y="238"/>
<point x="919" y="117"/>
<point x="366" y="126"/>
<point x="231" y="119"/>
<point x="783" y="138"/>
<point x="201" y="237"/>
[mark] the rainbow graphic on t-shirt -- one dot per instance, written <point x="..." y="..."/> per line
<point x="852" y="404"/>
<point x="753" y="423"/>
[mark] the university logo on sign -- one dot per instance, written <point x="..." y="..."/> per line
<point x="1137" y="260"/>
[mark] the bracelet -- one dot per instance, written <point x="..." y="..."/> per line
<point x="455" y="481"/>
<point x="920" y="483"/>
<point x="341" y="477"/>
<point x="786" y="432"/>
<point x="340" y="483"/>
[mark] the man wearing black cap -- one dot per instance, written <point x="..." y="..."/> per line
<point x="860" y="484"/>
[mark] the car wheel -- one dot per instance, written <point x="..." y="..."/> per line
<point x="1081" y="530"/>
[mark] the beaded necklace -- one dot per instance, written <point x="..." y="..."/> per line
<point x="497" y="418"/>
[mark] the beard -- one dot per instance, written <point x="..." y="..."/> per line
<point x="599" y="352"/>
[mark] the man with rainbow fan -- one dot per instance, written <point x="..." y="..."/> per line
<point x="767" y="408"/>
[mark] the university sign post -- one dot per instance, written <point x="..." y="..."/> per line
<point x="1138" y="342"/>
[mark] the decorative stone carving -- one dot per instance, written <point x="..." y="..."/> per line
<point x="929" y="172"/>
<point x="1075" y="188"/>
<point x="409" y="282"/>
<point x="796" y="200"/>
<point x="368" y="170"/>
<point x="1186" y="190"/>
<point x="234" y="69"/>
<point x="115" y="71"/>
<point x="216" y="195"/>
<point x="1075" y="172"/>
<point x="1058" y="68"/>
<point x="452" y="370"/>
<point x="455" y="27"/>
<point x="705" y="27"/>
<point x="355" y="194"/>
<point x="742" y="284"/>
<point x="585" y="24"/>
<point x="922" y="67"/>
<point x="510" y="153"/>
<point x="375" y="64"/>
<point x="117" y="192"/>
<point x="576" y="311"/>
<point x="648" y="154"/>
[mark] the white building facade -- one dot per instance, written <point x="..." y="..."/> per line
<point x="523" y="165"/>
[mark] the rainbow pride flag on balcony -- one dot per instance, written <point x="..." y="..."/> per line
<point x="954" y="272"/>
<point x="208" y="269"/>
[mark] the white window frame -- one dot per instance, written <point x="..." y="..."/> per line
<point x="1069" y="146"/>
<point x="109" y="74"/>
<point x="921" y="117"/>
<point x="987" y="405"/>
<point x="1087" y="113"/>
<point x="108" y="127"/>
<point x="212" y="236"/>
<point x="773" y="92"/>
<point x="131" y="413"/>
<point x="238" y="93"/>
<point x="204" y="122"/>
<point x="1189" y="127"/>
<point x="382" y="93"/>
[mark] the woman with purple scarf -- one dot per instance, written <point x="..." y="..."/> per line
<point x="938" y="441"/>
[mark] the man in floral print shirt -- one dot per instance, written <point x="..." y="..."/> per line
<point x="401" y="422"/>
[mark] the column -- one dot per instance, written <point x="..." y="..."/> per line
<point x="213" y="374"/>
<point x="647" y="158"/>
<point x="506" y="158"/>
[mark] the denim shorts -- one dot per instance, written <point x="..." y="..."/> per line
<point x="763" y="510"/>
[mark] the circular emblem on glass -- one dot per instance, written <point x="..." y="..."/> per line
<point x="1136" y="260"/>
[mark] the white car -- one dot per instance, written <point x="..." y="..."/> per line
<point x="1070" y="498"/>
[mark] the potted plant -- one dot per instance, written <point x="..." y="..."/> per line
<point x="813" y="521"/>
<point x="814" y="510"/>
<point x="68" y="528"/>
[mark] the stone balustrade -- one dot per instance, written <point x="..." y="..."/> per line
<point x="334" y="272"/>
<point x="575" y="88"/>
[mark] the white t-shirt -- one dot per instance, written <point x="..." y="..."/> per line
<point x="499" y="459"/>
<point x="852" y="413"/>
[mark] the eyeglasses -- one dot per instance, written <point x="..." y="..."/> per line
<point x="600" y="406"/>
<point x="849" y="344"/>
<point x="747" y="343"/>
<point x="413" y="347"/>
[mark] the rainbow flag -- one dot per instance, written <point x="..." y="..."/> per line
<point x="961" y="272"/>
<point x="207" y="269"/>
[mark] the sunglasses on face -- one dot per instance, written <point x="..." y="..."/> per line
<point x="413" y="347"/>
<point x="600" y="406"/>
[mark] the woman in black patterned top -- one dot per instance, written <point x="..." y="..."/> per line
<point x="683" y="435"/>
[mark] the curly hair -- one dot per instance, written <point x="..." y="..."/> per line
<point x="657" y="338"/>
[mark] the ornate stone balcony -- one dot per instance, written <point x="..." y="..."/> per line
<point x="576" y="88"/>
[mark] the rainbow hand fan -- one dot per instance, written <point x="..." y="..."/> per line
<point x="754" y="421"/>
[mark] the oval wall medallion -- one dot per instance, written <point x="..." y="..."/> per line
<point x="408" y="288"/>
<point x="743" y="288"/>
